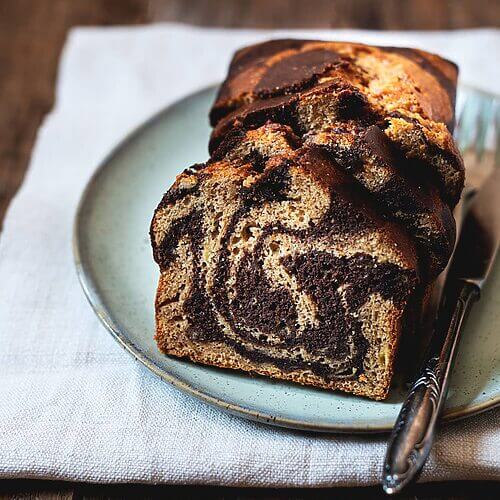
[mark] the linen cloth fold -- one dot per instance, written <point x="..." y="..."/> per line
<point x="73" y="404"/>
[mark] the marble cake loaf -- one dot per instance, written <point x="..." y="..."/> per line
<point x="306" y="243"/>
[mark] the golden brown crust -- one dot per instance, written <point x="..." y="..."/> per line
<point x="408" y="93"/>
<point x="408" y="79"/>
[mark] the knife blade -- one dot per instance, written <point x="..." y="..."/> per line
<point x="413" y="433"/>
<point x="480" y="236"/>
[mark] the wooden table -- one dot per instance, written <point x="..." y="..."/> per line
<point x="32" y="33"/>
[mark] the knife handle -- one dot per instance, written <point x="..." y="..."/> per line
<point x="413" y="433"/>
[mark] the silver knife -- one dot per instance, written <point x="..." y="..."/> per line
<point x="413" y="433"/>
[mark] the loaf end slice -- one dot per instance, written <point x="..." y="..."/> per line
<point x="282" y="268"/>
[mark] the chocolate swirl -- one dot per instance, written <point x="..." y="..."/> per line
<point x="281" y="280"/>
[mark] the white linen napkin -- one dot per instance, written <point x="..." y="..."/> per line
<point x="73" y="404"/>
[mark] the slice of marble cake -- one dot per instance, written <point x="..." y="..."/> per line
<point x="307" y="244"/>
<point x="282" y="267"/>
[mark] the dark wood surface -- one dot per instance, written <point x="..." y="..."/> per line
<point x="32" y="33"/>
<point x="52" y="490"/>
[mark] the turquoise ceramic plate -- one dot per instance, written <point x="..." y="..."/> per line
<point x="117" y="272"/>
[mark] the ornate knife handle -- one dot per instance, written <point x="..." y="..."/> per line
<point x="413" y="433"/>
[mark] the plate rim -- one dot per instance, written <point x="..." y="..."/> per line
<point x="91" y="293"/>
